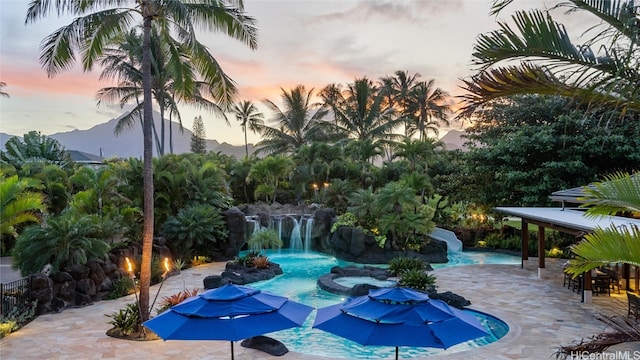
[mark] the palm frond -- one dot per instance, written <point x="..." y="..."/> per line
<point x="619" y="192"/>
<point x="605" y="246"/>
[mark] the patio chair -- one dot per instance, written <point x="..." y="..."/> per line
<point x="602" y="285"/>
<point x="615" y="280"/>
<point x="634" y="305"/>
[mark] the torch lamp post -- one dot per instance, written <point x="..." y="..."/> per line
<point x="324" y="190"/>
<point x="315" y="191"/>
<point x="167" y="268"/>
<point x="135" y="289"/>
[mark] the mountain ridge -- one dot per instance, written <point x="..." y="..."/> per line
<point x="101" y="140"/>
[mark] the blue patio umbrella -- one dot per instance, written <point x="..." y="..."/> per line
<point x="230" y="312"/>
<point x="399" y="317"/>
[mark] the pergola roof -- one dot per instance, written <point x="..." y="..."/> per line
<point x="571" y="221"/>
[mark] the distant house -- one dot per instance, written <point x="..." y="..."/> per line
<point x="90" y="160"/>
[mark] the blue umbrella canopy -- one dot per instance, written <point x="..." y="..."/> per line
<point x="399" y="317"/>
<point x="230" y="312"/>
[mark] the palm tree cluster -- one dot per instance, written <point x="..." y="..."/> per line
<point x="100" y="24"/>
<point x="372" y="117"/>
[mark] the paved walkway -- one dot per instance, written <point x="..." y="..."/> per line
<point x="541" y="314"/>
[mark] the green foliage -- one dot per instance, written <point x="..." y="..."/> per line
<point x="126" y="320"/>
<point x="399" y="265"/>
<point x="620" y="193"/>
<point x="198" y="143"/>
<point x="247" y="259"/>
<point x="417" y="279"/>
<point x="336" y="194"/>
<point x="194" y="230"/>
<point x="265" y="239"/>
<point x="363" y="206"/>
<point x="121" y="287"/>
<point x="188" y="180"/>
<point x="32" y="153"/>
<point x="297" y="122"/>
<point x="55" y="187"/>
<point x="66" y="239"/>
<point x="20" y="203"/>
<point x="17" y="318"/>
<point x="269" y="172"/>
<point x="526" y="147"/>
<point x="346" y="219"/>
<point x="179" y="264"/>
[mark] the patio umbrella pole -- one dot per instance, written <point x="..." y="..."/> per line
<point x="396" y="353"/>
<point x="232" y="357"/>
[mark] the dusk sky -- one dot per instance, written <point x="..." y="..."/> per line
<point x="313" y="43"/>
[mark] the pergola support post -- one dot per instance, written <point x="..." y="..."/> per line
<point x="587" y="289"/>
<point x="541" y="252"/>
<point x="525" y="243"/>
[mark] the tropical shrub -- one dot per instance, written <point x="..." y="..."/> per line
<point x="55" y="188"/>
<point x="399" y="265"/>
<point x="346" y="219"/>
<point x="264" y="239"/>
<point x="126" y="320"/>
<point x="261" y="262"/>
<point x="194" y="230"/>
<point x="175" y="299"/>
<point x="66" y="239"/>
<point x="199" y="260"/>
<point x="247" y="259"/>
<point x="33" y="152"/>
<point x="19" y="204"/>
<point x="417" y="279"/>
<point x="121" y="287"/>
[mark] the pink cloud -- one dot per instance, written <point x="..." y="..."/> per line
<point x="27" y="81"/>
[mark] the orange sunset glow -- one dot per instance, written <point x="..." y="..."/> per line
<point x="300" y="42"/>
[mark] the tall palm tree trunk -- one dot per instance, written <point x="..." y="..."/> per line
<point x="246" y="145"/>
<point x="147" y="234"/>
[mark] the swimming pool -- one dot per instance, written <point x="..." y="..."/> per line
<point x="301" y="271"/>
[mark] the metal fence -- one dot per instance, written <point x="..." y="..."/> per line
<point x="15" y="294"/>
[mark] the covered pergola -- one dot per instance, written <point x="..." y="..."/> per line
<point x="570" y="221"/>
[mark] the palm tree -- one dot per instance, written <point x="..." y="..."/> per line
<point x="417" y="152"/>
<point x="89" y="33"/>
<point x="249" y="117"/>
<point x="299" y="123"/>
<point x="2" y="93"/>
<point x="551" y="64"/>
<point x="361" y="115"/>
<point x="331" y="96"/>
<point x="19" y="202"/>
<point x="174" y="79"/>
<point x="427" y="107"/>
<point x="619" y="193"/>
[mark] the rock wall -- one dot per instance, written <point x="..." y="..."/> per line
<point x="351" y="244"/>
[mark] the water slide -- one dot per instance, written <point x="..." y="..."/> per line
<point x="453" y="243"/>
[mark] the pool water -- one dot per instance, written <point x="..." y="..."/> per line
<point x="301" y="271"/>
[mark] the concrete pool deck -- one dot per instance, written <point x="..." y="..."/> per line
<point x="541" y="314"/>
